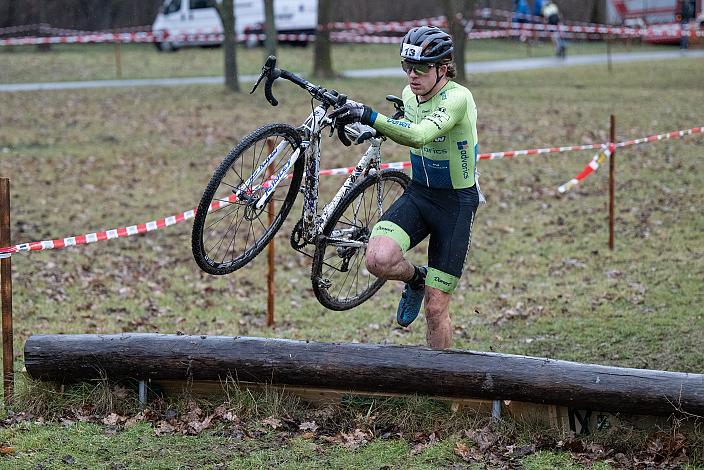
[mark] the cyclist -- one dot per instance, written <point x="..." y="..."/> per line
<point x="440" y="126"/>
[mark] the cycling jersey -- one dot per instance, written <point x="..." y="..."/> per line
<point x="442" y="134"/>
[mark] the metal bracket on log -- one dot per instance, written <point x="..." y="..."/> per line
<point x="365" y="368"/>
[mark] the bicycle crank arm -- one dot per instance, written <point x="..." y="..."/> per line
<point x="340" y="242"/>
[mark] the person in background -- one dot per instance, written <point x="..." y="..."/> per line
<point x="538" y="9"/>
<point x="551" y="14"/>
<point x="521" y="14"/>
<point x="687" y="13"/>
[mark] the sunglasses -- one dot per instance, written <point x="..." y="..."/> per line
<point x="417" y="67"/>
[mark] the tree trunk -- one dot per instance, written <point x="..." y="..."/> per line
<point x="42" y="19"/>
<point x="598" y="14"/>
<point x="457" y="13"/>
<point x="364" y="368"/>
<point x="227" y="16"/>
<point x="322" y="58"/>
<point x="269" y="27"/>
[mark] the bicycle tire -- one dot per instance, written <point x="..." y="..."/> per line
<point x="331" y="294"/>
<point x="220" y="189"/>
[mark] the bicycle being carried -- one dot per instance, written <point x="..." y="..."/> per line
<point x="233" y="222"/>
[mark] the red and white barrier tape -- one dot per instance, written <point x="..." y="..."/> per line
<point x="110" y="234"/>
<point x="140" y="37"/>
<point x="174" y="219"/>
<point x="607" y="151"/>
<point x="352" y="36"/>
<point x="589" y="168"/>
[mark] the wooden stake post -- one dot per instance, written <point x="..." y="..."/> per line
<point x="6" y="294"/>
<point x="118" y="60"/>
<point x="271" y="251"/>
<point x="612" y="185"/>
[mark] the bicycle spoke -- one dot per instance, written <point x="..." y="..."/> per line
<point x="232" y="209"/>
<point x="222" y="239"/>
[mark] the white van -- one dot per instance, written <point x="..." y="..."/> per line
<point x="197" y="23"/>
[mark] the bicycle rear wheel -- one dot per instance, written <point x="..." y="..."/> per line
<point x="229" y="230"/>
<point x="340" y="279"/>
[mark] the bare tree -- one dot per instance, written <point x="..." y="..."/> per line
<point x="322" y="58"/>
<point x="269" y="27"/>
<point x="598" y="13"/>
<point x="227" y="15"/>
<point x="43" y="15"/>
<point x="457" y="13"/>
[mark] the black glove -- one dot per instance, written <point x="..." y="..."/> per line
<point x="352" y="112"/>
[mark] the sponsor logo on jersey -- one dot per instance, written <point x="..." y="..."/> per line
<point x="398" y="123"/>
<point x="443" y="95"/>
<point x="464" y="158"/>
<point x="440" y="139"/>
<point x="435" y="151"/>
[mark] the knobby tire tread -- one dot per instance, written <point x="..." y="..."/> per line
<point x="284" y="208"/>
<point x="321" y="293"/>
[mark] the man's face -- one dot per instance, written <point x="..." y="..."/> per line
<point x="422" y="77"/>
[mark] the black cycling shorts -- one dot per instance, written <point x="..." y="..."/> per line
<point x="444" y="214"/>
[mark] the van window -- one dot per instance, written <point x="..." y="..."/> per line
<point x="172" y="7"/>
<point x="196" y="4"/>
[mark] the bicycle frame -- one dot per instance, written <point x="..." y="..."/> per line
<point x="312" y="224"/>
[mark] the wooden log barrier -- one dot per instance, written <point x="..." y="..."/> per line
<point x="364" y="368"/>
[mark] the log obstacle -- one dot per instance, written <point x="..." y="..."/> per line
<point x="364" y="368"/>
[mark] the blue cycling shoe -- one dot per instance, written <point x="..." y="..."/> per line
<point x="411" y="300"/>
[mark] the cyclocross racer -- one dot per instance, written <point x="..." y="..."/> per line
<point x="440" y="126"/>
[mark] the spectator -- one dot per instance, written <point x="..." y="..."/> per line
<point x="551" y="14"/>
<point x="687" y="13"/>
<point x="538" y="9"/>
<point x="521" y="12"/>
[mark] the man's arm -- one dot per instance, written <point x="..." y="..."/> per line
<point x="430" y="128"/>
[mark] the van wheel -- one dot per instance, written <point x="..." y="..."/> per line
<point x="166" y="46"/>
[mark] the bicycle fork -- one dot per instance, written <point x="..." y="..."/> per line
<point x="271" y="183"/>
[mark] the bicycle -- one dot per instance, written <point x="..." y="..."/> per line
<point x="230" y="229"/>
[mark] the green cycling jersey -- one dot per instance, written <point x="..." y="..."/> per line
<point x="442" y="134"/>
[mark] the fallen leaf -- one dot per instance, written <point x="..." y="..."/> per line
<point x="196" y="427"/>
<point x="113" y="418"/>
<point x="462" y="451"/>
<point x="273" y="422"/>
<point x="355" y="439"/>
<point x="308" y="426"/>
<point x="163" y="428"/>
<point x="6" y="450"/>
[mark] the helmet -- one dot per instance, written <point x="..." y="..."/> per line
<point x="427" y="44"/>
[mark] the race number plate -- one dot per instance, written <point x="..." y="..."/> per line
<point x="409" y="51"/>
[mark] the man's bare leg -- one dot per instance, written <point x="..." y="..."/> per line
<point x="385" y="260"/>
<point x="437" y="315"/>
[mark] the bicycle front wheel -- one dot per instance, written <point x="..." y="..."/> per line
<point x="340" y="278"/>
<point x="233" y="222"/>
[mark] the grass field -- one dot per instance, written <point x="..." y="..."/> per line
<point x="97" y="61"/>
<point x="540" y="279"/>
